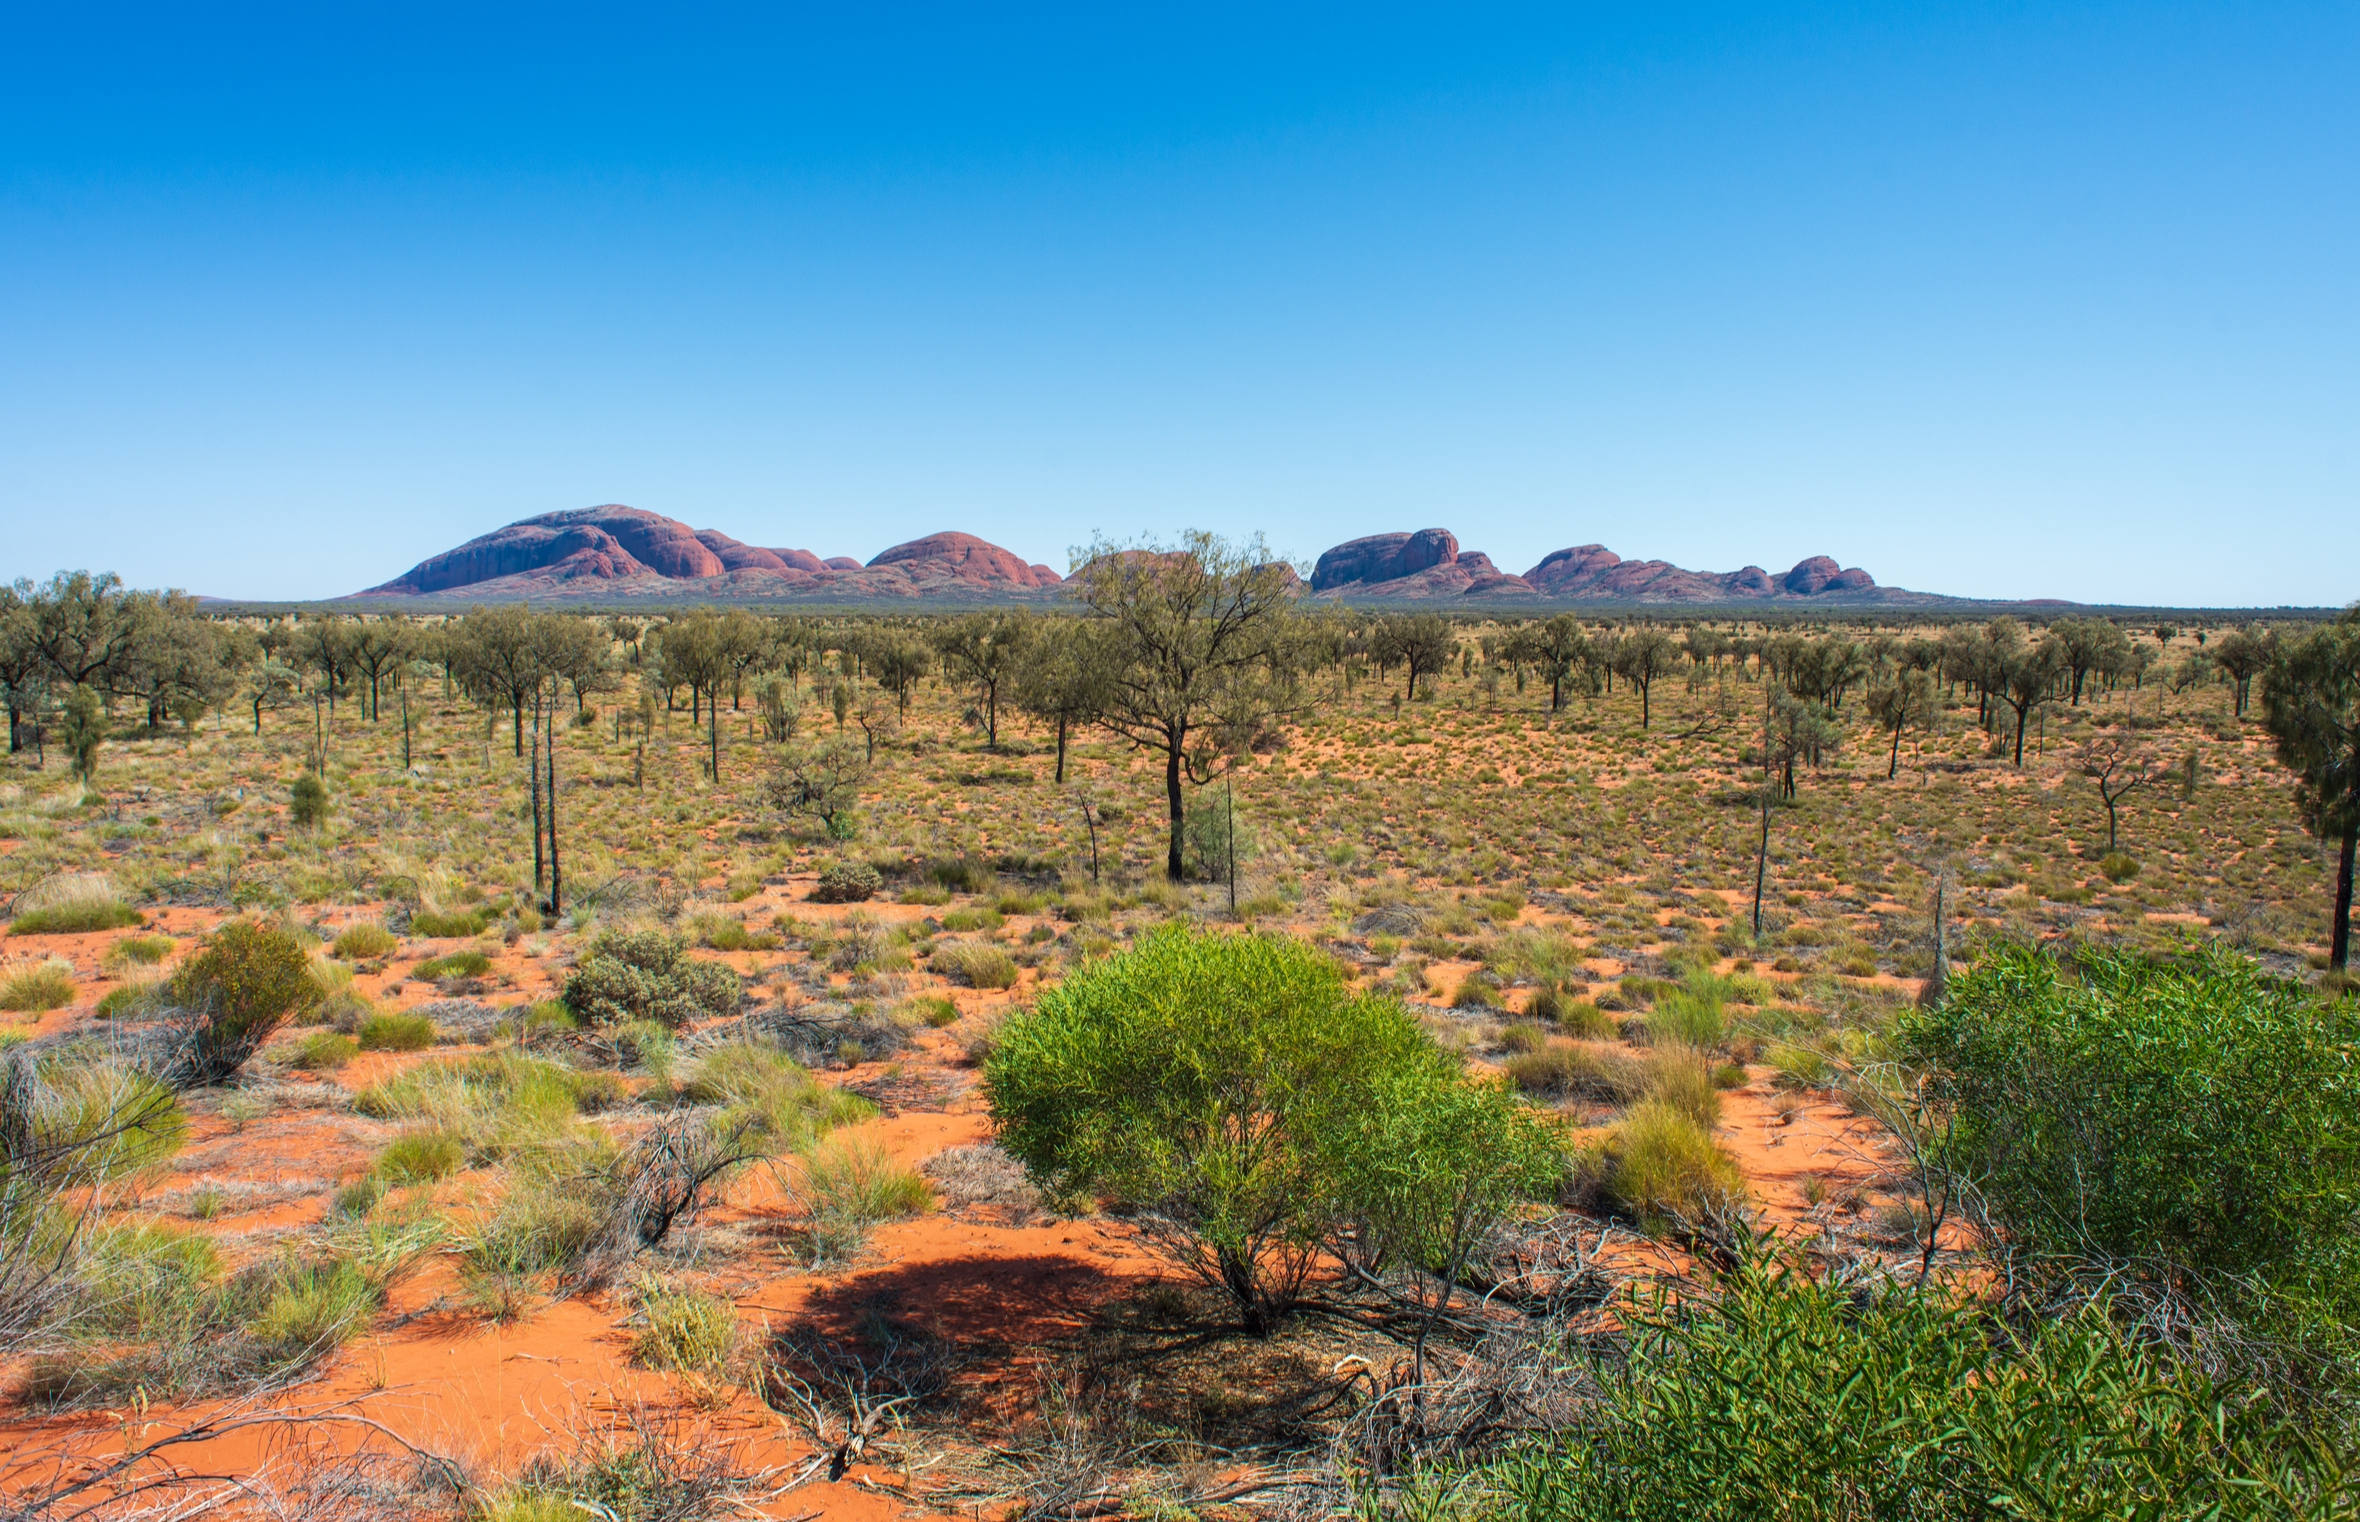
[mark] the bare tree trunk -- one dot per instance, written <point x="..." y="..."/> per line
<point x="556" y="873"/>
<point x="533" y="773"/>
<point x="1179" y="808"/>
<point x="2339" y="952"/>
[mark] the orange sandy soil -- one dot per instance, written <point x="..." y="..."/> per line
<point x="492" y="1396"/>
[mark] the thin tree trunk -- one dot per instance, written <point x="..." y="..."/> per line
<point x="1178" y="805"/>
<point x="2339" y="953"/>
<point x="533" y="773"/>
<point x="1061" y="750"/>
<point x="556" y="873"/>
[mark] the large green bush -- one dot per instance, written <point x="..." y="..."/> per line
<point x="2191" y="1119"/>
<point x="1243" y="1104"/>
<point x="647" y="975"/>
<point x="1806" y="1401"/>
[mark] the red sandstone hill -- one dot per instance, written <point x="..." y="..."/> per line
<point x="616" y="552"/>
<point x="1429" y="564"/>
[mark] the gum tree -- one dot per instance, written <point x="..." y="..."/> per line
<point x="2311" y="706"/>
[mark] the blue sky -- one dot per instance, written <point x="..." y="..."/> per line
<point x="2000" y="300"/>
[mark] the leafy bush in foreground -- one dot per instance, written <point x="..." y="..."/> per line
<point x="2195" y="1119"/>
<point x="1235" y="1095"/>
<point x="847" y="882"/>
<point x="1804" y="1400"/>
<point x="646" y="975"/>
<point x="248" y="981"/>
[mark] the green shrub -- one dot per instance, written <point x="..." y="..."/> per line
<point x="964" y="875"/>
<point x="1782" y="1397"/>
<point x="307" y="802"/>
<point x="1523" y="1037"/>
<point x="847" y="882"/>
<point x="723" y="933"/>
<point x="1799" y="1067"/>
<point x="1687" y="1018"/>
<point x="648" y="976"/>
<point x="323" y="1051"/>
<point x="396" y="1033"/>
<point x="1665" y="1167"/>
<point x="1236" y="1094"/>
<point x="1683" y="1078"/>
<point x="844" y="1186"/>
<point x="2194" y="1113"/>
<point x="439" y="926"/>
<point x="365" y="942"/>
<point x="2118" y="867"/>
<point x="248" y="981"/>
<point x="421" y="1157"/>
<point x="975" y="964"/>
<point x="45" y="985"/>
<point x="126" y="999"/>
<point x="1475" y="992"/>
<point x="457" y="964"/>
<point x="762" y="1084"/>
<point x="961" y="921"/>
<point x="144" y="950"/>
<point x="936" y="1010"/>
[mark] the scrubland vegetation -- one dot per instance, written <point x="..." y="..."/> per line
<point x="1189" y="1055"/>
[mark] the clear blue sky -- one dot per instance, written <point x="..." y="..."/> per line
<point x="2001" y="300"/>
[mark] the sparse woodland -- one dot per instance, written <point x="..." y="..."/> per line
<point x="1196" y="1052"/>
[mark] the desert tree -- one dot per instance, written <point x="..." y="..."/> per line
<point x="499" y="656"/>
<point x="903" y="663"/>
<point x="1643" y="655"/>
<point x="84" y="627"/>
<point x="324" y="643"/>
<point x="2027" y="675"/>
<point x="1897" y="705"/>
<point x="21" y="667"/>
<point x="84" y="730"/>
<point x="981" y="654"/>
<point x="1558" y="647"/>
<point x="578" y="652"/>
<point x="2311" y="705"/>
<point x="1421" y="643"/>
<point x="2120" y="767"/>
<point x="821" y="782"/>
<point x="2243" y="654"/>
<point x="878" y="718"/>
<point x="378" y="649"/>
<point x="2086" y="645"/>
<point x="1063" y="681"/>
<point x="1199" y="646"/>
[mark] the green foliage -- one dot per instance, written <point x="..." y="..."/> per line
<point x="76" y="916"/>
<point x="1665" y="1167"/>
<point x="1686" y="1017"/>
<point x="2193" y="1113"/>
<point x="323" y="1051"/>
<point x="646" y="975"/>
<point x="1224" y="1088"/>
<point x="307" y="802"/>
<point x="456" y="964"/>
<point x="396" y="1033"/>
<point x="1823" y="1402"/>
<point x="365" y="942"/>
<point x="847" y="882"/>
<point x="248" y="981"/>
<point x="846" y="1185"/>
<point x="421" y="1157"/>
<point x="1566" y="1070"/>
<point x="437" y="926"/>
<point x="144" y="950"/>
<point x="761" y="1084"/>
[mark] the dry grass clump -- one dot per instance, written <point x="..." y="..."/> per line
<point x="763" y="1087"/>
<point x="975" y="964"/>
<point x="365" y="942"/>
<point x="1593" y="1071"/>
<point x="982" y="1174"/>
<point x="45" y="985"/>
<point x="140" y="951"/>
<point x="1665" y="1168"/>
<point x="395" y="1033"/>
<point x="845" y="1186"/>
<point x="685" y="1330"/>
<point x="73" y="903"/>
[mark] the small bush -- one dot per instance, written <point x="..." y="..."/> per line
<point x="648" y="976"/>
<point x="1665" y="1167"/>
<point x="248" y="981"/>
<point x="847" y="882"/>
<point x="962" y="921"/>
<point x="421" y="1157"/>
<point x="975" y="964"/>
<point x="1523" y="1038"/>
<point x="438" y="926"/>
<point x="365" y="942"/>
<point x="323" y="1052"/>
<point x="43" y="986"/>
<point x="786" y="1105"/>
<point x="1686" y="1018"/>
<point x="141" y="950"/>
<point x="307" y="802"/>
<point x="844" y="1186"/>
<point x="457" y="964"/>
<point x="2118" y="867"/>
<point x="936" y="1010"/>
<point x="964" y="875"/>
<point x="127" y="999"/>
<point x="1475" y="993"/>
<point x="396" y="1033"/>
<point x="1799" y="1067"/>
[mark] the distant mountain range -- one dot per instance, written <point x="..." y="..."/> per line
<point x="618" y="554"/>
